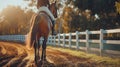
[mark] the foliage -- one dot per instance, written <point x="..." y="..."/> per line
<point x="80" y="15"/>
<point x="31" y="3"/>
<point x="117" y="4"/>
<point x="16" y="20"/>
<point x="74" y="15"/>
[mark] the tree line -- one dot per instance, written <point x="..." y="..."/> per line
<point x="89" y="14"/>
<point x="15" y="20"/>
<point x="76" y="15"/>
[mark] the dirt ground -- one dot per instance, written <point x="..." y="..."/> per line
<point x="17" y="55"/>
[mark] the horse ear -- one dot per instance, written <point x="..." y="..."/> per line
<point x="55" y="1"/>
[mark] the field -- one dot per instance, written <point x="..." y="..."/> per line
<point x="17" y="55"/>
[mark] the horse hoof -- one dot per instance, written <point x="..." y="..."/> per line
<point x="44" y="59"/>
<point x="40" y="62"/>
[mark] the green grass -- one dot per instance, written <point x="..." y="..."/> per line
<point x="92" y="57"/>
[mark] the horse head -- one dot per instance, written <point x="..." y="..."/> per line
<point x="53" y="8"/>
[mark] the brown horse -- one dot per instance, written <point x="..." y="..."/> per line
<point x="41" y="26"/>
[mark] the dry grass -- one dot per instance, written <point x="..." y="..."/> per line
<point x="91" y="57"/>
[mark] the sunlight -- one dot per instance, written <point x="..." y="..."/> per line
<point x="2" y="19"/>
<point x="5" y="3"/>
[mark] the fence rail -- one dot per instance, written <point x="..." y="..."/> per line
<point x="61" y="39"/>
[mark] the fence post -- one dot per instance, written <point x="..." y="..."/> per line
<point x="69" y="40"/>
<point x="77" y="40"/>
<point x="63" y="39"/>
<point x="101" y="41"/>
<point x="24" y="38"/>
<point x="59" y="39"/>
<point x="48" y="41"/>
<point x="21" y="38"/>
<point x="87" y="40"/>
<point x="51" y="40"/>
<point x="54" y="40"/>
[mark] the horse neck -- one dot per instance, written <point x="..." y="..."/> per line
<point x="42" y="3"/>
<point x="49" y="22"/>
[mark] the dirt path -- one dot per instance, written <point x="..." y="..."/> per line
<point x="16" y="55"/>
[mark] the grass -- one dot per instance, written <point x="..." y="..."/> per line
<point x="91" y="57"/>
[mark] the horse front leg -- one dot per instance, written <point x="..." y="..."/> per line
<point x="43" y="57"/>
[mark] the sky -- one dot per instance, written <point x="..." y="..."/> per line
<point x="21" y="3"/>
<point x="5" y="3"/>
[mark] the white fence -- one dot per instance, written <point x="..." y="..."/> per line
<point x="67" y="40"/>
<point x="20" y="38"/>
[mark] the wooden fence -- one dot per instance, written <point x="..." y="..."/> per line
<point x="72" y="40"/>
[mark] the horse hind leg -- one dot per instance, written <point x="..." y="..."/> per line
<point x="36" y="49"/>
<point x="35" y="59"/>
<point x="43" y="57"/>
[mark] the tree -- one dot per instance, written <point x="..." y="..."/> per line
<point x="117" y="4"/>
<point x="67" y="18"/>
<point x="16" y="20"/>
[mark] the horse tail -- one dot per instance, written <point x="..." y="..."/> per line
<point x="31" y="36"/>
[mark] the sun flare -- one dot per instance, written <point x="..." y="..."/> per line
<point x="6" y="3"/>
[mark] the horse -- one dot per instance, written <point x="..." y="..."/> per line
<point x="41" y="26"/>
